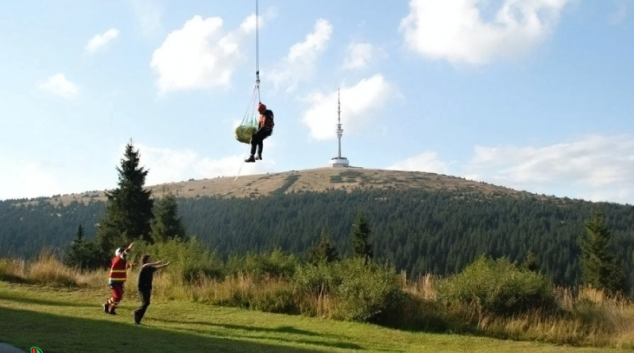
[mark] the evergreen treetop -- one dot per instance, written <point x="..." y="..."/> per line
<point x="129" y="207"/>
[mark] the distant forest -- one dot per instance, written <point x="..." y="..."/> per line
<point x="418" y="231"/>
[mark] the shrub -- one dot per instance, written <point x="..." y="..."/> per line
<point x="279" y="299"/>
<point x="262" y="265"/>
<point x="318" y="279"/>
<point x="367" y="292"/>
<point x="356" y="291"/>
<point x="189" y="259"/>
<point x="499" y="287"/>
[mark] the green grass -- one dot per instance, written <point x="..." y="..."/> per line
<point x="71" y="320"/>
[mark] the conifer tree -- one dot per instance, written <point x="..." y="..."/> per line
<point x="129" y="207"/>
<point x="530" y="262"/>
<point x="598" y="263"/>
<point x="324" y="251"/>
<point x="82" y="253"/>
<point x="73" y="256"/>
<point x="361" y="246"/>
<point x="166" y="224"/>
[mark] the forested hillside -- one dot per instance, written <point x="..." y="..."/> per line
<point x="418" y="231"/>
<point x="439" y="226"/>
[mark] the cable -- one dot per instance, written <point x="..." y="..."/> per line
<point x="257" y="48"/>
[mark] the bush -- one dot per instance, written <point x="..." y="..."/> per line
<point x="367" y="292"/>
<point x="273" y="265"/>
<point x="358" y="292"/>
<point x="499" y="287"/>
<point x="189" y="259"/>
<point x="318" y="279"/>
<point x="277" y="300"/>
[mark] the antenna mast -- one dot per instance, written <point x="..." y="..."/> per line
<point x="338" y="161"/>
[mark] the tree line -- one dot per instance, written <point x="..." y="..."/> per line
<point x="419" y="231"/>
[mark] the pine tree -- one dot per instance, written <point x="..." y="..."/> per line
<point x="129" y="207"/>
<point x="83" y="254"/>
<point x="360" y="239"/>
<point x="166" y="224"/>
<point x="530" y="262"/>
<point x="73" y="256"/>
<point x="324" y="251"/>
<point x="598" y="263"/>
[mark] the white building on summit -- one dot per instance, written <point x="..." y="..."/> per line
<point x="339" y="161"/>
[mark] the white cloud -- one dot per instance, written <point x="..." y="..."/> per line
<point x="148" y="13"/>
<point x="425" y="162"/>
<point x="167" y="165"/>
<point x="45" y="176"/>
<point x="59" y="85"/>
<point x="100" y="41"/>
<point x="359" y="104"/>
<point x="26" y="180"/>
<point x="300" y="62"/>
<point x="598" y="168"/>
<point x="456" y="31"/>
<point x="621" y="12"/>
<point x="358" y="55"/>
<point x="199" y="55"/>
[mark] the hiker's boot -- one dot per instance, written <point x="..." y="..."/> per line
<point x="106" y="308"/>
<point x="250" y="159"/>
<point x="112" y="311"/>
<point x="258" y="157"/>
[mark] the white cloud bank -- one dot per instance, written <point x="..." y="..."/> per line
<point x="100" y="41"/>
<point x="299" y="63"/>
<point x="596" y="168"/>
<point x="359" y="105"/>
<point x="455" y="30"/>
<point x="59" y="85"/>
<point x="200" y="55"/>
<point x="27" y="179"/>
<point x="426" y="162"/>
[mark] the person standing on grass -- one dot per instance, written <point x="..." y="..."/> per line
<point x="146" y="275"/>
<point x="116" y="279"/>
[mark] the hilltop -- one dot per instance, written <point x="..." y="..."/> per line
<point x="309" y="180"/>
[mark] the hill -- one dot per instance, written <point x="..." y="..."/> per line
<point x="420" y="222"/>
<point x="310" y="180"/>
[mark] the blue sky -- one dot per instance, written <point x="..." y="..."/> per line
<point x="535" y="95"/>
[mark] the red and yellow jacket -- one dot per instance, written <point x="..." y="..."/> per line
<point x="118" y="270"/>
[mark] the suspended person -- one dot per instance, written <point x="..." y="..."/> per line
<point x="146" y="275"/>
<point x="265" y="129"/>
<point x="116" y="279"/>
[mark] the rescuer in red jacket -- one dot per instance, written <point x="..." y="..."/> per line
<point x="116" y="278"/>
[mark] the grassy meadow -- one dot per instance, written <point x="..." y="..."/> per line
<point x="45" y="304"/>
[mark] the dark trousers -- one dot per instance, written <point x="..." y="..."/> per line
<point x="256" y="141"/>
<point x="145" y="295"/>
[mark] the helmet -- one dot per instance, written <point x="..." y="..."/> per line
<point x="118" y="252"/>
<point x="261" y="107"/>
